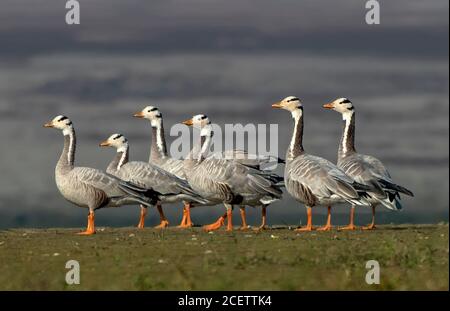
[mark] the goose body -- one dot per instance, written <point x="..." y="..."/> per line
<point x="171" y="188"/>
<point x="224" y="181"/>
<point x="160" y="157"/>
<point x="365" y="169"/>
<point x="312" y="180"/>
<point x="89" y="187"/>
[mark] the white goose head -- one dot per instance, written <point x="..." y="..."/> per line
<point x="150" y="113"/>
<point x="117" y="141"/>
<point x="62" y="123"/>
<point x="342" y="105"/>
<point x="201" y="122"/>
<point x="292" y="104"/>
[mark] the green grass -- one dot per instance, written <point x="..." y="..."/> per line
<point x="411" y="258"/>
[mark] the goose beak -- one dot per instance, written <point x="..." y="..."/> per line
<point x="277" y="105"/>
<point x="49" y="124"/>
<point x="105" y="143"/>
<point x="328" y="106"/>
<point x="139" y="114"/>
<point x="188" y="122"/>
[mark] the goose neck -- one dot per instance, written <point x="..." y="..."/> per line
<point x="158" y="146"/>
<point x="347" y="143"/>
<point x="67" y="158"/>
<point x="296" y="144"/>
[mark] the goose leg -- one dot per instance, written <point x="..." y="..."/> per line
<point x="327" y="227"/>
<point x="372" y="225"/>
<point x="244" y="225"/>
<point x="351" y="225"/>
<point x="164" y="222"/>
<point x="183" y="220"/>
<point x="229" y="217"/>
<point x="141" y="223"/>
<point x="90" y="225"/>
<point x="263" y="216"/>
<point x="186" y="222"/>
<point x="308" y="226"/>
<point x="219" y="223"/>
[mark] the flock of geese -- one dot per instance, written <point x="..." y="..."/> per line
<point x="233" y="177"/>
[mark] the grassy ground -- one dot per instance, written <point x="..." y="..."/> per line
<point x="411" y="257"/>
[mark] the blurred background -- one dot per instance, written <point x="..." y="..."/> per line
<point x="229" y="60"/>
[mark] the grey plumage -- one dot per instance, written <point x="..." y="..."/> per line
<point x="312" y="180"/>
<point x="225" y="181"/>
<point x="316" y="181"/>
<point x="89" y="187"/>
<point x="148" y="176"/>
<point x="160" y="157"/>
<point x="365" y="169"/>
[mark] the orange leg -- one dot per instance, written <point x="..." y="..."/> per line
<point x="372" y="225"/>
<point x="90" y="226"/>
<point x="244" y="225"/>
<point x="263" y="220"/>
<point x="214" y="226"/>
<point x="183" y="220"/>
<point x="141" y="223"/>
<point x="229" y="219"/>
<point x="164" y="222"/>
<point x="327" y="227"/>
<point x="308" y="226"/>
<point x="351" y="225"/>
<point x="186" y="222"/>
<point x="189" y="222"/>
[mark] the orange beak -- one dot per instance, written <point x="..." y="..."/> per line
<point x="139" y="114"/>
<point x="105" y="144"/>
<point x="49" y="124"/>
<point x="328" y="106"/>
<point x="188" y="122"/>
<point x="277" y="105"/>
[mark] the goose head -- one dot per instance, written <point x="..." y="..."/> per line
<point x="150" y="113"/>
<point x="62" y="123"/>
<point x="200" y="122"/>
<point x="291" y="104"/>
<point x="342" y="105"/>
<point x="117" y="141"/>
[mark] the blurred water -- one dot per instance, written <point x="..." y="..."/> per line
<point x="399" y="88"/>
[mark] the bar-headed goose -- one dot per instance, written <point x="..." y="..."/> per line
<point x="225" y="181"/>
<point x="312" y="180"/>
<point x="147" y="175"/>
<point x="88" y="187"/>
<point x="160" y="157"/>
<point x="365" y="169"/>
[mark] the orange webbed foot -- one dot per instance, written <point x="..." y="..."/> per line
<point x="86" y="232"/>
<point x="369" y="227"/>
<point x="215" y="226"/>
<point x="304" y="229"/>
<point x="164" y="224"/>
<point x="325" y="228"/>
<point x="348" y="228"/>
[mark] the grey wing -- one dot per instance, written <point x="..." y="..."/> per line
<point x="382" y="176"/>
<point x="174" y="166"/>
<point x="248" y="159"/>
<point x="241" y="179"/>
<point x="321" y="177"/>
<point x="94" y="186"/>
<point x="97" y="179"/>
<point x="209" y="179"/>
<point x="153" y="177"/>
<point x="362" y="170"/>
